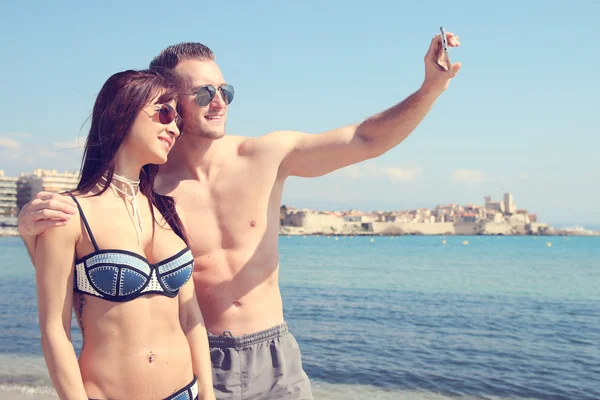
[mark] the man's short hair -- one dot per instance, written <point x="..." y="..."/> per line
<point x="172" y="55"/>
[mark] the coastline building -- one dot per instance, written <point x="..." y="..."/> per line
<point x="509" y="204"/>
<point x="494" y="218"/>
<point x="497" y="206"/>
<point x="28" y="185"/>
<point x="357" y="216"/>
<point x="8" y="195"/>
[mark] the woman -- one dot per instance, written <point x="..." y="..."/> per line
<point x="123" y="263"/>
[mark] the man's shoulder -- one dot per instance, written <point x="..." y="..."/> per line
<point x="268" y="143"/>
<point x="277" y="135"/>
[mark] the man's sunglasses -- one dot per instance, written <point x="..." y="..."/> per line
<point x="167" y="114"/>
<point x="206" y="94"/>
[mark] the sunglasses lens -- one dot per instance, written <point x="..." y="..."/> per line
<point x="166" y="114"/>
<point x="227" y="92"/>
<point x="205" y="95"/>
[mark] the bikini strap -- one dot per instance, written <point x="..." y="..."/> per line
<point x="87" y="226"/>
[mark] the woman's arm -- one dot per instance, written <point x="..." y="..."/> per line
<point x="192" y="324"/>
<point x="54" y="262"/>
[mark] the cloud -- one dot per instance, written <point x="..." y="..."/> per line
<point x="26" y="155"/>
<point x="16" y="135"/>
<point x="76" y="143"/>
<point x="372" y="170"/>
<point x="467" y="176"/>
<point x="400" y="174"/>
<point x="9" y="143"/>
<point x="368" y="170"/>
<point x="46" y="153"/>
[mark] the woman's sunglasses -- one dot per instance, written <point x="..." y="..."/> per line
<point x="167" y="114"/>
<point x="206" y="94"/>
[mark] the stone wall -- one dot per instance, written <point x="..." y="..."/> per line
<point x="410" y="228"/>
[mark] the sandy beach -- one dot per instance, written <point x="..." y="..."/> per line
<point x="321" y="391"/>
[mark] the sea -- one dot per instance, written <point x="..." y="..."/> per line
<point x="408" y="317"/>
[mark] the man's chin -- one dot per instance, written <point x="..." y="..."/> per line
<point x="202" y="134"/>
<point x="213" y="135"/>
<point x="210" y="134"/>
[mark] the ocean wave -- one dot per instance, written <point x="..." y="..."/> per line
<point x="42" y="390"/>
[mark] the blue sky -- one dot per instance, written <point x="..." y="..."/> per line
<point x="521" y="116"/>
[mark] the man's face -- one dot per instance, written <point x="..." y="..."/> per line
<point x="207" y="121"/>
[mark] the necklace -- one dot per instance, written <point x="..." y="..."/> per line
<point x="132" y="198"/>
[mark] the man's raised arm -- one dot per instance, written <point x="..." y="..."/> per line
<point x="46" y="210"/>
<point x="315" y="155"/>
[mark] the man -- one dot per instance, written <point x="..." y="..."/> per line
<point x="229" y="188"/>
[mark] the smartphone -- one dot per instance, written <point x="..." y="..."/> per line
<point x="445" y="47"/>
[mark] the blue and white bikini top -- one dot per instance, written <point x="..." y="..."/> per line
<point x="121" y="275"/>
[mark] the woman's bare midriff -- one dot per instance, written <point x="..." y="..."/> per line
<point x="134" y="349"/>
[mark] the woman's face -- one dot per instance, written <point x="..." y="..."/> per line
<point x="154" y="132"/>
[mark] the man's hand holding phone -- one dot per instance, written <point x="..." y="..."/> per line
<point x="438" y="68"/>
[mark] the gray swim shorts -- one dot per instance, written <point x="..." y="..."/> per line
<point x="261" y="366"/>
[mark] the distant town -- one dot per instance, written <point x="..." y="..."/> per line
<point x="490" y="218"/>
<point x="16" y="191"/>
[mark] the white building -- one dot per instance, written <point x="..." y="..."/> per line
<point x="509" y="204"/>
<point x="496" y="206"/>
<point x="28" y="185"/>
<point x="8" y="195"/>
